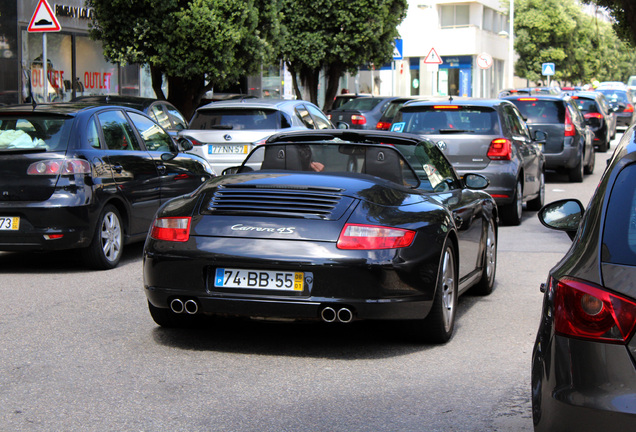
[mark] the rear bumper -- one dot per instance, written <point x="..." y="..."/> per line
<point x="502" y="176"/>
<point x="624" y="119"/>
<point x="568" y="158"/>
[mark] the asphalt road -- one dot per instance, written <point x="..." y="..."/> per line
<point x="79" y="351"/>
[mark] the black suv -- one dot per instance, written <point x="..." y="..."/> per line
<point x="599" y="116"/>
<point x="89" y="177"/>
<point x="569" y="145"/>
<point x="486" y="136"/>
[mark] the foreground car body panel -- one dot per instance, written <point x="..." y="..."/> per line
<point x="286" y="221"/>
<point x="583" y="369"/>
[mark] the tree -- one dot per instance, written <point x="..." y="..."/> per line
<point x="337" y="36"/>
<point x="624" y="12"/>
<point x="196" y="44"/>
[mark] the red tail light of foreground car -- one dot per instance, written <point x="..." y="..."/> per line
<point x="59" y="166"/>
<point x="584" y="310"/>
<point x="175" y="229"/>
<point x="369" y="237"/>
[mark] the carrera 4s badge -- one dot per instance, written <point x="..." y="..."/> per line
<point x="281" y="230"/>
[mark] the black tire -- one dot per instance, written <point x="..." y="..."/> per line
<point x="440" y="322"/>
<point x="511" y="213"/>
<point x="589" y="168"/>
<point x="576" y="174"/>
<point x="107" y="246"/>
<point x="538" y="202"/>
<point x="604" y="147"/>
<point x="487" y="282"/>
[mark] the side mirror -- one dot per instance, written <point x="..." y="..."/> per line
<point x="184" y="144"/>
<point x="476" y="181"/>
<point x="563" y="215"/>
<point x="540" y="136"/>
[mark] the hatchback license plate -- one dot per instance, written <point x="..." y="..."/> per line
<point x="227" y="149"/>
<point x="259" y="279"/>
<point x="11" y="223"/>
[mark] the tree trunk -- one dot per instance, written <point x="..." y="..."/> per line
<point x="333" y="82"/>
<point x="156" y="75"/>
<point x="294" y="75"/>
<point x="186" y="93"/>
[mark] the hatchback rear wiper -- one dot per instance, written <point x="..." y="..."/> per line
<point x="451" y="131"/>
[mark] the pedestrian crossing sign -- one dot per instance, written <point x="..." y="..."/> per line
<point x="547" y="69"/>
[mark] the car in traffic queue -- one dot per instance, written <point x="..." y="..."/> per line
<point x="599" y="116"/>
<point x="569" y="146"/>
<point x="161" y="111"/>
<point x="225" y="132"/>
<point x="621" y="99"/>
<point x="360" y="113"/>
<point x="334" y="226"/>
<point x="584" y="357"/>
<point x="487" y="136"/>
<point x="88" y="177"/>
<point x="342" y="99"/>
<point x="391" y="110"/>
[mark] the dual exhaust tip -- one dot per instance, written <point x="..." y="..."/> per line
<point x="343" y="315"/>
<point x="189" y="307"/>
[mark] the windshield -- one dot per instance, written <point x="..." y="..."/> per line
<point x="586" y="105"/>
<point x="42" y="133"/>
<point x="615" y="95"/>
<point x="239" y="119"/>
<point x="541" y="111"/>
<point x="378" y="160"/>
<point x="448" y="119"/>
<point x="362" y="104"/>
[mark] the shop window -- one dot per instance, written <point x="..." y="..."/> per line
<point x="58" y="65"/>
<point x="95" y="75"/>
<point x="129" y="76"/>
<point x="455" y="16"/>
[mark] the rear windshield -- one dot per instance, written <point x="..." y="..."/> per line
<point x="541" y="111"/>
<point x="619" y="234"/>
<point x="34" y="132"/>
<point x="239" y="119"/>
<point x="586" y="105"/>
<point x="392" y="109"/>
<point x="362" y="104"/>
<point x="448" y="120"/>
<point x="615" y="95"/>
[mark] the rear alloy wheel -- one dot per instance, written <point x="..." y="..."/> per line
<point x="537" y="203"/>
<point x="487" y="281"/>
<point x="511" y="213"/>
<point x="107" y="245"/>
<point x="576" y="174"/>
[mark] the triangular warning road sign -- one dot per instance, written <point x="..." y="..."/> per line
<point x="433" y="58"/>
<point x="43" y="19"/>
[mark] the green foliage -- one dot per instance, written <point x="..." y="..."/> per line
<point x="581" y="47"/>
<point x="624" y="14"/>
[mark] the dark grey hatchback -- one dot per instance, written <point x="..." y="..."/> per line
<point x="89" y="177"/>
<point x="584" y="358"/>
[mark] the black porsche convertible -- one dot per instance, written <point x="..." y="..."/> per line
<point x="331" y="225"/>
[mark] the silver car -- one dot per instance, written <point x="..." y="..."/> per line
<point x="486" y="136"/>
<point x="224" y="133"/>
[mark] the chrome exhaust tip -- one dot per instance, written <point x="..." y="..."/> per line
<point x="191" y="307"/>
<point x="345" y="315"/>
<point x="176" y="306"/>
<point x="328" y="314"/>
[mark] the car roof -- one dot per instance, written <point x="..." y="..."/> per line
<point x="539" y="97"/>
<point x="254" y="103"/>
<point x="462" y="101"/>
<point x="587" y="94"/>
<point x="362" y="136"/>
<point x="66" y="108"/>
<point x="133" y="101"/>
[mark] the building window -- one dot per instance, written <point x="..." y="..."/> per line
<point x="455" y="16"/>
<point x="488" y="19"/>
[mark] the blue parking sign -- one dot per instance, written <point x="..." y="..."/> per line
<point x="547" y="69"/>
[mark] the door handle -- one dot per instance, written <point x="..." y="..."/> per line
<point x="161" y="169"/>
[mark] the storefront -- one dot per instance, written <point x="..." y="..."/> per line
<point x="75" y="63"/>
<point x="455" y="76"/>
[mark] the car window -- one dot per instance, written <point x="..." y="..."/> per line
<point x="577" y="117"/>
<point x="431" y="166"/>
<point x="362" y="104"/>
<point x="305" y="117"/>
<point x="160" y="115"/>
<point x="320" y="120"/>
<point x="118" y="133"/>
<point x="42" y="132"/>
<point x="541" y="111"/>
<point x="155" y="138"/>
<point x="179" y="123"/>
<point x="92" y="135"/>
<point x="450" y="119"/>
<point x="619" y="232"/>
<point x="239" y="119"/>
<point x="514" y="121"/>
<point x="586" y="105"/>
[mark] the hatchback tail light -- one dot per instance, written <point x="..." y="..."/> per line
<point x="358" y="120"/>
<point x="585" y="310"/>
<point x="176" y="229"/>
<point x="500" y="149"/>
<point x="59" y="167"/>
<point x="370" y="237"/>
<point x="569" y="126"/>
<point x="383" y="125"/>
<point x="629" y="108"/>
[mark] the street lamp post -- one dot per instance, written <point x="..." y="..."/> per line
<point x="511" y="46"/>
